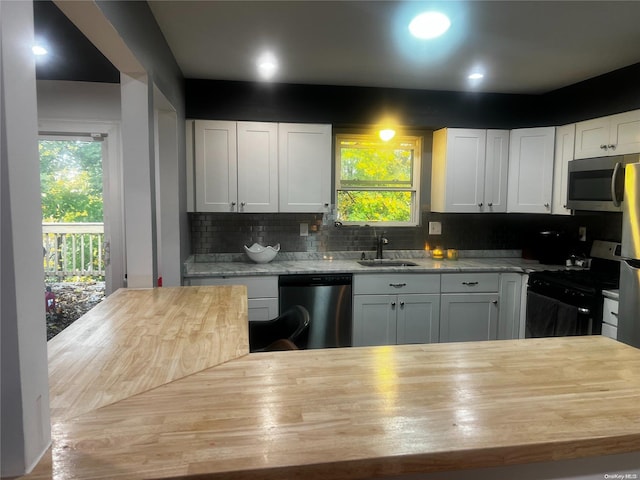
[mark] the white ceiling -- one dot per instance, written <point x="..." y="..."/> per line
<point x="523" y="46"/>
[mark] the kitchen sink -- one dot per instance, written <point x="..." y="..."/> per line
<point x="387" y="263"/>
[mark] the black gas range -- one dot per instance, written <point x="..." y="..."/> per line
<point x="569" y="302"/>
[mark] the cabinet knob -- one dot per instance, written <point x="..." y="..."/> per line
<point x="603" y="146"/>
<point x="546" y="205"/>
<point x="233" y="204"/>
<point x="401" y="304"/>
<point x="326" y="204"/>
<point x="495" y="302"/>
<point x="242" y="204"/>
<point x="564" y="206"/>
<point x="490" y="204"/>
<point x="480" y="204"/>
<point x="612" y="147"/>
<point x="393" y="304"/>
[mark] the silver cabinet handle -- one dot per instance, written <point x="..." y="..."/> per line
<point x="480" y="204"/>
<point x="603" y="146"/>
<point x="612" y="147"/>
<point x="393" y="304"/>
<point x="470" y="284"/>
<point x="495" y="302"/>
<point x="584" y="311"/>
<point x="242" y="204"/>
<point x="401" y="304"/>
<point x="546" y="205"/>
<point x="614" y="181"/>
<point x="490" y="204"/>
<point x="397" y="285"/>
<point x="615" y="314"/>
<point x="233" y="204"/>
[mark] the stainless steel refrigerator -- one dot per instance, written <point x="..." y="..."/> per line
<point x="629" y="307"/>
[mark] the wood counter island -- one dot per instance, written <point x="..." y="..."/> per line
<point x="350" y="413"/>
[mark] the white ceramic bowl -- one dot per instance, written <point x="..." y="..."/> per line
<point x="260" y="254"/>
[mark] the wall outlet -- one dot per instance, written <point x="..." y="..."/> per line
<point x="435" y="228"/>
<point x="582" y="234"/>
<point x="304" y="229"/>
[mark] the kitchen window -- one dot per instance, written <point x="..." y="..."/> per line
<point x="377" y="183"/>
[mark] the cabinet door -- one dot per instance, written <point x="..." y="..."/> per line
<point x="468" y="317"/>
<point x="531" y="170"/>
<point x="565" y="141"/>
<point x="257" y="167"/>
<point x="304" y="167"/>
<point x="374" y="320"/>
<point x="592" y="138"/>
<point x="510" y="301"/>
<point x="418" y="318"/>
<point x="496" y="169"/>
<point x="261" y="309"/>
<point x="465" y="166"/>
<point x="215" y="166"/>
<point x="625" y="133"/>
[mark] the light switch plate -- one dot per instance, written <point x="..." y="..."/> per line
<point x="304" y="229"/>
<point x="435" y="228"/>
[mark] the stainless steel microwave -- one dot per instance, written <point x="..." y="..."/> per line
<point x="598" y="183"/>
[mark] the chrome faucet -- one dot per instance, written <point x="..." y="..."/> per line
<point x="380" y="242"/>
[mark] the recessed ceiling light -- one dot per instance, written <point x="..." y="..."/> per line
<point x="429" y="25"/>
<point x="39" y="50"/>
<point x="476" y="76"/>
<point x="267" y="66"/>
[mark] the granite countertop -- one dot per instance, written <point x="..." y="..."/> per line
<point x="347" y="262"/>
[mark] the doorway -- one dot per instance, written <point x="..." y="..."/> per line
<point x="89" y="207"/>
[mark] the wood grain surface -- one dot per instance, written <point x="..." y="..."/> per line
<point x="355" y="413"/>
<point x="139" y="339"/>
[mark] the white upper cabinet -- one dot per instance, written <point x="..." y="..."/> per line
<point x="565" y="140"/>
<point x="612" y="135"/>
<point x="531" y="152"/>
<point x="216" y="168"/>
<point x="304" y="167"/>
<point x="469" y="172"/>
<point x="496" y="171"/>
<point x="257" y="167"/>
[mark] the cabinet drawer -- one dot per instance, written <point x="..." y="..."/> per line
<point x="470" y="282"/>
<point x="257" y="287"/>
<point x="396" y="283"/>
<point x="610" y="312"/>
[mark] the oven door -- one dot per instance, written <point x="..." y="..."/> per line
<point x="550" y="317"/>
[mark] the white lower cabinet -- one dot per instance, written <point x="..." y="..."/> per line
<point x="469" y="307"/>
<point x="610" y="318"/>
<point x="468" y="317"/>
<point x="509" y="307"/>
<point x="383" y="317"/>
<point x="262" y="293"/>
<point x="395" y="319"/>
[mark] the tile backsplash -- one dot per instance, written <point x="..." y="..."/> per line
<point x="228" y="232"/>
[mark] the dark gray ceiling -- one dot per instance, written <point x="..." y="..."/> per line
<point x="71" y="55"/>
<point x="527" y="47"/>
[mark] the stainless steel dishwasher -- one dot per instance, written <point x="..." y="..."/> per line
<point x="329" y="302"/>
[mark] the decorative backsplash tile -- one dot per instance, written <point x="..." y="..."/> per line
<point x="228" y="232"/>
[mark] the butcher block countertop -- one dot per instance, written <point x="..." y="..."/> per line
<point x="210" y="410"/>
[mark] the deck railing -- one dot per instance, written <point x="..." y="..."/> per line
<point x="73" y="249"/>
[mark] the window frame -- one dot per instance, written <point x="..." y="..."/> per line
<point x="414" y="188"/>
